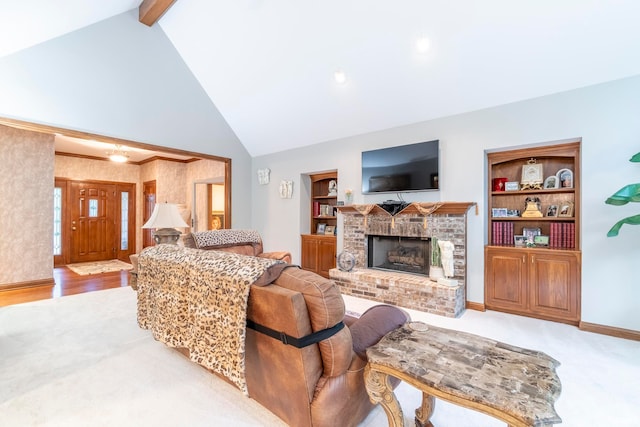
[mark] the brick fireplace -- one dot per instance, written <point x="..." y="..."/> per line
<point x="420" y="221"/>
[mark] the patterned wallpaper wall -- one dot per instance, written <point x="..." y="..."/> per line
<point x="26" y="216"/>
<point x="171" y="181"/>
<point x="95" y="170"/>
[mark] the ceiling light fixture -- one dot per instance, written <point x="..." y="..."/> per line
<point x="340" y="77"/>
<point x="118" y="154"/>
<point x="423" y="44"/>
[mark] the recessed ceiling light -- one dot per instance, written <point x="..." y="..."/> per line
<point x="340" y="77"/>
<point x="423" y="44"/>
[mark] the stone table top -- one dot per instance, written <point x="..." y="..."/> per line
<point x="519" y="382"/>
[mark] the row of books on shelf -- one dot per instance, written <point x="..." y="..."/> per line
<point x="321" y="209"/>
<point x="561" y="235"/>
<point x="502" y="233"/>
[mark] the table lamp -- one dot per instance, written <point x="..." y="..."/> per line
<point x="165" y="218"/>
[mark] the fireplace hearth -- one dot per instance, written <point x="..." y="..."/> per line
<point x="398" y="253"/>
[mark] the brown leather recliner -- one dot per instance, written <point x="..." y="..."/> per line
<point x="321" y="385"/>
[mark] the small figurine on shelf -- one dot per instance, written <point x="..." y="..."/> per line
<point x="333" y="188"/>
<point x="532" y="208"/>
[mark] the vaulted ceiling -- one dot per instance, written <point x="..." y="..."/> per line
<point x="268" y="66"/>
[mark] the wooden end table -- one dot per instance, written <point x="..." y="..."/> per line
<point x="515" y="385"/>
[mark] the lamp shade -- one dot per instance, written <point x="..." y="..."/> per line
<point x="165" y="215"/>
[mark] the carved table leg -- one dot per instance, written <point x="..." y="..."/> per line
<point x="424" y="412"/>
<point x="380" y="391"/>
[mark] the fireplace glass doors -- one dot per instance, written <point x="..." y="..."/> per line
<point x="395" y="253"/>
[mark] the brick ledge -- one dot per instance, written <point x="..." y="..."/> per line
<point x="401" y="289"/>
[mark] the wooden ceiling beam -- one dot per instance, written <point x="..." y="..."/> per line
<point x="151" y="10"/>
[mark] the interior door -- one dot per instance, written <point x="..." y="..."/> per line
<point x="149" y="194"/>
<point x="92" y="222"/>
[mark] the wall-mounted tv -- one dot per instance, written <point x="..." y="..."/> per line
<point x="412" y="167"/>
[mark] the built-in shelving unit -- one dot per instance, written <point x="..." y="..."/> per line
<point x="524" y="274"/>
<point x="319" y="245"/>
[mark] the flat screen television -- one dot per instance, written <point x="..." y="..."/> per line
<point x="412" y="167"/>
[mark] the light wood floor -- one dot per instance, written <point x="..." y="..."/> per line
<point x="67" y="283"/>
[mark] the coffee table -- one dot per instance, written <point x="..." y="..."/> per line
<point x="515" y="385"/>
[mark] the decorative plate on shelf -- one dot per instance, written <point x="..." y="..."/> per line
<point x="346" y="261"/>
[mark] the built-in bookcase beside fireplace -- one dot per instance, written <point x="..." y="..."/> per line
<point x="392" y="255"/>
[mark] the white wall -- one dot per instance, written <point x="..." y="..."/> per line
<point x="123" y="79"/>
<point x="606" y="117"/>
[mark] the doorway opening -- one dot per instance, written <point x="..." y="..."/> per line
<point x="93" y="221"/>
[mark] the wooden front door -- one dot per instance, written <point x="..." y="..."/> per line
<point x="149" y="194"/>
<point x="92" y="221"/>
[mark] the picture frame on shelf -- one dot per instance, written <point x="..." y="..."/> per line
<point x="565" y="210"/>
<point x="532" y="177"/>
<point x="530" y="234"/>
<point x="565" y="178"/>
<point x="512" y="186"/>
<point x="520" y="241"/>
<point x="321" y="228"/>
<point x="499" y="212"/>
<point x="551" y="182"/>
<point x="541" y="240"/>
<point x="552" y="210"/>
<point x="330" y="230"/>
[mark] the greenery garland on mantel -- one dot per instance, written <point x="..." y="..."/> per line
<point x="421" y="208"/>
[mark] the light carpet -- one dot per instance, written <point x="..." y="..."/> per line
<point x="82" y="360"/>
<point x="98" y="267"/>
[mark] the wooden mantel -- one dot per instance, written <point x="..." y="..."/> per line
<point x="420" y="208"/>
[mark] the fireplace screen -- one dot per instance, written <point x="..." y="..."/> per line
<point x="406" y="254"/>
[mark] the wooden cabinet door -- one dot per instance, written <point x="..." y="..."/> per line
<point x="309" y="254"/>
<point x="326" y="256"/>
<point x="318" y="254"/>
<point x="554" y="283"/>
<point x="506" y="279"/>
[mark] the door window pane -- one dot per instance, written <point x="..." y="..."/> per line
<point x="93" y="208"/>
<point x="124" y="221"/>
<point x="57" y="221"/>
